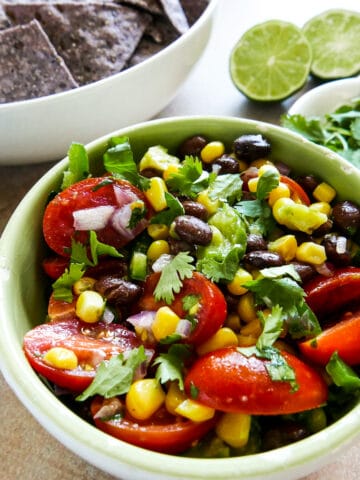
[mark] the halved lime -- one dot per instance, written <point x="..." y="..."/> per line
<point x="334" y="37"/>
<point x="271" y="61"/>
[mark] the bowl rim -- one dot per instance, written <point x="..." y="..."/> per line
<point x="106" y="81"/>
<point x="337" y="91"/>
<point x="97" y="447"/>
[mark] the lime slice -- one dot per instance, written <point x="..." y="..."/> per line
<point x="271" y="61"/>
<point x="334" y="37"/>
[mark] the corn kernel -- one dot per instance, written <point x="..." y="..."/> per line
<point x="296" y="216"/>
<point x="90" y="306"/>
<point x="323" y="207"/>
<point x="252" y="184"/>
<point x="165" y="323"/>
<point x="156" y="193"/>
<point x="170" y="170"/>
<point x="233" y="322"/>
<point x="253" y="328"/>
<point x="85" y="283"/>
<point x="242" y="165"/>
<point x="236" y="285"/>
<point x="285" y="246"/>
<point x="246" y="340"/>
<point x="267" y="167"/>
<point x="211" y="205"/>
<point x="144" y="397"/>
<point x="157" y="248"/>
<point x="234" y="429"/>
<point x="224" y="337"/>
<point x="259" y="162"/>
<point x="311" y="252"/>
<point x="324" y="192"/>
<point x="212" y="151"/>
<point x="194" y="411"/>
<point x="174" y="397"/>
<point x="158" y="231"/>
<point x="281" y="191"/>
<point x="62" y="358"/>
<point x="246" y="308"/>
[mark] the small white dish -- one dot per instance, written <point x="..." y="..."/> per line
<point x="327" y="97"/>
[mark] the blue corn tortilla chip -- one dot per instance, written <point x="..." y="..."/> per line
<point x="29" y="65"/>
<point x="95" y="40"/>
<point x="175" y="13"/>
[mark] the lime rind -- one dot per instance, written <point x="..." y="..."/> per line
<point x="271" y="61"/>
<point x="334" y="37"/>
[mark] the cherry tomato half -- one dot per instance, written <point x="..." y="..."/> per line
<point x="58" y="221"/>
<point x="343" y="337"/>
<point x="162" y="433"/>
<point x="330" y="294"/>
<point x="229" y="381"/>
<point x="92" y="343"/>
<point x="211" y="313"/>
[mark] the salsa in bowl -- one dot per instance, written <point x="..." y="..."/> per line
<point x="183" y="290"/>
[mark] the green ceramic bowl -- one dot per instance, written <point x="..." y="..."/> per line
<point x="23" y="305"/>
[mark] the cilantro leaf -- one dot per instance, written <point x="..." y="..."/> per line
<point x="62" y="287"/>
<point x="258" y="214"/>
<point x="272" y="327"/>
<point x="170" y="282"/>
<point x="310" y="128"/>
<point x="227" y="188"/>
<point x="78" y="165"/>
<point x="267" y="182"/>
<point x="174" y="209"/>
<point x="190" y="179"/>
<point x="98" y="248"/>
<point x="171" y="364"/>
<point x="119" y="161"/>
<point x="341" y="374"/>
<point x="285" y="292"/>
<point x="79" y="251"/>
<point x="114" y="376"/>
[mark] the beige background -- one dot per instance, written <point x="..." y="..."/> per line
<point x="27" y="451"/>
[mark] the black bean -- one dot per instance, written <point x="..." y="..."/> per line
<point x="117" y="290"/>
<point x="263" y="259"/>
<point x="251" y="147"/>
<point x="177" y="246"/>
<point x="192" y="230"/>
<point x="304" y="270"/>
<point x="323" y="229"/>
<point x="195" y="209"/>
<point x="337" y="249"/>
<point x="255" y="242"/>
<point x="149" y="172"/>
<point x="108" y="266"/>
<point x="283" y="168"/>
<point x="192" y="146"/>
<point x="346" y="216"/>
<point x="226" y="164"/>
<point x="308" y="182"/>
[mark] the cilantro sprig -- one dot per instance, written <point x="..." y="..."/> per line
<point x="339" y="131"/>
<point x="170" y="365"/>
<point x="114" y="376"/>
<point x="190" y="179"/>
<point x="172" y="275"/>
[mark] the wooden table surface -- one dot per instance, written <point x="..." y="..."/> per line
<point x="27" y="451"/>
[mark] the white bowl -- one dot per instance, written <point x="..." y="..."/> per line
<point x="22" y="305"/>
<point x="327" y="97"/>
<point x="41" y="130"/>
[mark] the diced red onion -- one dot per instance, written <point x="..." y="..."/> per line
<point x="183" y="328"/>
<point x="108" y="316"/>
<point x="124" y="196"/>
<point x="110" y="407"/>
<point x="341" y="245"/>
<point x="120" y="221"/>
<point x="161" y="262"/>
<point x="93" y="218"/>
<point x="142" y="322"/>
<point x="325" y="269"/>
